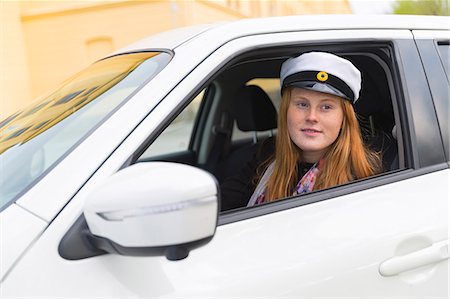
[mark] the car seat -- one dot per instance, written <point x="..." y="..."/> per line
<point x="374" y="110"/>
<point x="254" y="112"/>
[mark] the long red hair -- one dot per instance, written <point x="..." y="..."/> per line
<point x="346" y="159"/>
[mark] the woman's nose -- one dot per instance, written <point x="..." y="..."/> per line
<point x="311" y="116"/>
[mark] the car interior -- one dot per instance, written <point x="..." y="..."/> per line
<point x="237" y="111"/>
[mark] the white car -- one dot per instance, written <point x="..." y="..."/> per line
<point x="110" y="186"/>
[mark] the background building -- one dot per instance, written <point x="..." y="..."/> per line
<point x="44" y="42"/>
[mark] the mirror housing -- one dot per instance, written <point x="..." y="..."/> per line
<point x="153" y="208"/>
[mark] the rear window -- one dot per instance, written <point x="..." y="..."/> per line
<point x="444" y="51"/>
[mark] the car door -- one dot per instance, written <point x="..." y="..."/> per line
<point x="382" y="237"/>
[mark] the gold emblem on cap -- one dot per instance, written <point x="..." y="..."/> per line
<point x="322" y="76"/>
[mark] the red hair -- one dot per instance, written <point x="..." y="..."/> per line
<point x="346" y="159"/>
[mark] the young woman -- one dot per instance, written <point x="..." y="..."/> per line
<point x="318" y="144"/>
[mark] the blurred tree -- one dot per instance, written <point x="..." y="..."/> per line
<point x="422" y="7"/>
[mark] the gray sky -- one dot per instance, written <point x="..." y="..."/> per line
<point x="371" y="6"/>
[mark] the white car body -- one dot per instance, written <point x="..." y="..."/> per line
<point x="351" y="245"/>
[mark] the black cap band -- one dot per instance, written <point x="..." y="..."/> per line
<point x="312" y="76"/>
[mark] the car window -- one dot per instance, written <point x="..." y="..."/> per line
<point x="176" y="137"/>
<point x="376" y="120"/>
<point x="444" y="51"/>
<point x="36" y="139"/>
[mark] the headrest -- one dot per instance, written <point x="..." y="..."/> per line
<point x="253" y="109"/>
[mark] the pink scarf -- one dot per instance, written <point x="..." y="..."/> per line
<point x="305" y="185"/>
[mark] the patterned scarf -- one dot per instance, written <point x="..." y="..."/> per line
<point x="305" y="185"/>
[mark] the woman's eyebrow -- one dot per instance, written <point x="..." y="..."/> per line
<point x="299" y="97"/>
<point x="332" y="100"/>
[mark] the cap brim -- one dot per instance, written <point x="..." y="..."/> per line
<point x="320" y="87"/>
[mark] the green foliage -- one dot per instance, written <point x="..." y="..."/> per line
<point x="422" y="7"/>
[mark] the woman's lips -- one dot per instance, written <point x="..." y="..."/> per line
<point x="311" y="132"/>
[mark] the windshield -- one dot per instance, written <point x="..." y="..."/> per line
<point x="34" y="140"/>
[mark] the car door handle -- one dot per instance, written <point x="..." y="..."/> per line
<point x="430" y="255"/>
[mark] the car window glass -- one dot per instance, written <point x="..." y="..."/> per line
<point x="176" y="137"/>
<point x="272" y="88"/>
<point x="444" y="51"/>
<point x="36" y="139"/>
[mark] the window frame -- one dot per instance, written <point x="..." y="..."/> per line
<point x="411" y="159"/>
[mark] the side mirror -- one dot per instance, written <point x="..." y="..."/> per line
<point x="153" y="208"/>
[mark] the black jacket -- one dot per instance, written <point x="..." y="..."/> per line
<point x="236" y="190"/>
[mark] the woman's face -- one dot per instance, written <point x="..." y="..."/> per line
<point x="314" y="120"/>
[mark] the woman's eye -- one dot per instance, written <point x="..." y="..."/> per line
<point x="327" y="107"/>
<point x="302" y="105"/>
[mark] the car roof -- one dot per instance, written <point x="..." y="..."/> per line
<point x="223" y="31"/>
